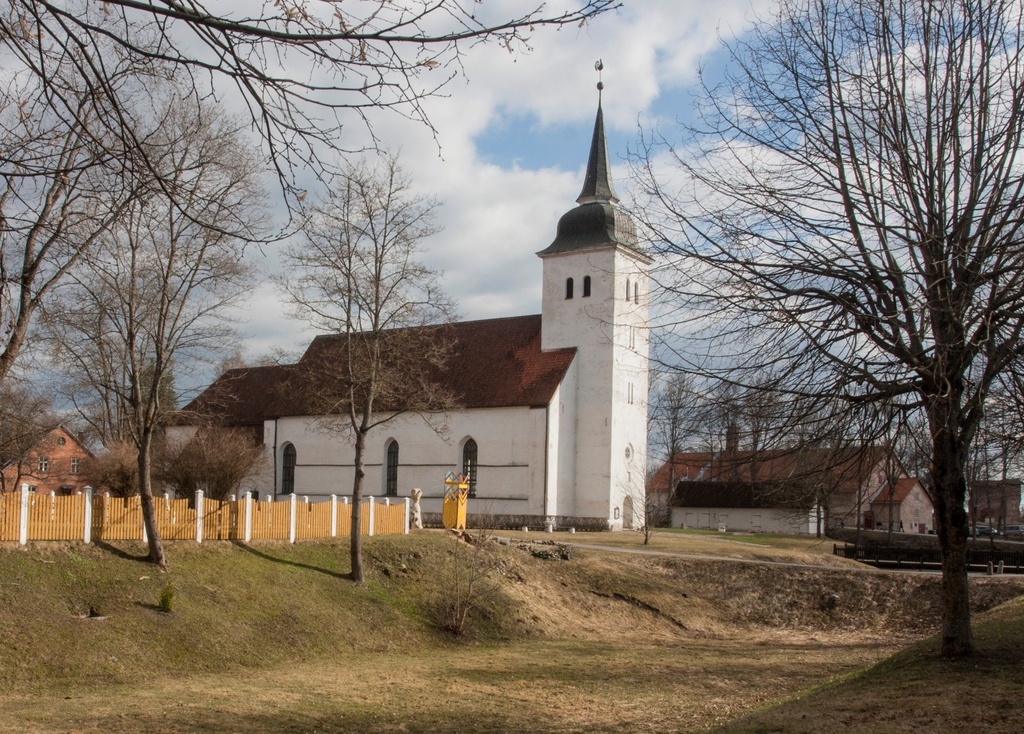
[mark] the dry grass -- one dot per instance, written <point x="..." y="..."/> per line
<point x="740" y="546"/>
<point x="273" y="639"/>
<point x="538" y="686"/>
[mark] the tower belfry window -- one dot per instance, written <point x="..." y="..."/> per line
<point x="627" y="288"/>
<point x="586" y="286"/>
<point x="636" y="293"/>
<point x="568" y="288"/>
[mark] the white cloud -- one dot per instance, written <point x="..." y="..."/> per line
<point x="497" y="215"/>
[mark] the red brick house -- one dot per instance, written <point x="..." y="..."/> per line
<point x="54" y="465"/>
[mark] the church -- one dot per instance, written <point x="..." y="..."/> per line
<point x="551" y="427"/>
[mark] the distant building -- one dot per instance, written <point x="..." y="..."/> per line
<point x="995" y="502"/>
<point x="552" y="424"/>
<point x="759" y="507"/>
<point x="801" y="489"/>
<point x="54" y="465"/>
<point x="903" y="504"/>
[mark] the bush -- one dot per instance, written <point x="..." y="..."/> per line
<point x="166" y="602"/>
<point x="466" y="579"/>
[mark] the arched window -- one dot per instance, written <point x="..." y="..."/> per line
<point x="469" y="463"/>
<point x="586" y="286"/>
<point x="628" y="288"/>
<point x="391" y="481"/>
<point x="288" y="470"/>
<point x="636" y="293"/>
<point x="568" y="288"/>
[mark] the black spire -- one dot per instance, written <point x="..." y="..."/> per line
<point x="597" y="185"/>
<point x="597" y="221"/>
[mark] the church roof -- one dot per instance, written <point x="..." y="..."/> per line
<point x="492" y="363"/>
<point x="597" y="221"/>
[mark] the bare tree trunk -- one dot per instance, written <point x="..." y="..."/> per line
<point x="156" y="545"/>
<point x="950" y="490"/>
<point x="356" y="540"/>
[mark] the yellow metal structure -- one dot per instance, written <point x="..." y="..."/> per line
<point x="456" y="492"/>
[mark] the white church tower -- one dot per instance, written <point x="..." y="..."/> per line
<point x="595" y="299"/>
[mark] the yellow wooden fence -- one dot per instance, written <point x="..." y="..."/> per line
<point x="26" y="516"/>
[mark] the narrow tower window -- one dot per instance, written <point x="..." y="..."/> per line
<point x="628" y="284"/>
<point x="586" y="286"/>
<point x="391" y="485"/>
<point x="636" y="293"/>
<point x="568" y="288"/>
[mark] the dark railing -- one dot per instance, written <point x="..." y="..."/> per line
<point x="929" y="559"/>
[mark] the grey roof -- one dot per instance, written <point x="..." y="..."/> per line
<point x="597" y="221"/>
<point x="597" y="185"/>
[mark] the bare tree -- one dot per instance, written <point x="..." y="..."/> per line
<point x="159" y="289"/>
<point x="79" y="77"/>
<point x="302" y="68"/>
<point x="852" y="203"/>
<point x="57" y="192"/>
<point x="115" y="469"/>
<point x="25" y="420"/>
<point x="356" y="274"/>
<point x="214" y="459"/>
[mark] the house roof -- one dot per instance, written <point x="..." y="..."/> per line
<point x="754" y="495"/>
<point x="492" y="363"/>
<point x="684" y="466"/>
<point x="843" y="469"/>
<point x="898" y="491"/>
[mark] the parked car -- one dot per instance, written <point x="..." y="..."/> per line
<point x="1014" y="531"/>
<point x="980" y="530"/>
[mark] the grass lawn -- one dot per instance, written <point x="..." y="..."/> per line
<point x="272" y="638"/>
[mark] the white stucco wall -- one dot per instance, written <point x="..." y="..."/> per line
<point x="561" y="447"/>
<point x="510" y="444"/>
<point x="741" y="519"/>
<point x="609" y="332"/>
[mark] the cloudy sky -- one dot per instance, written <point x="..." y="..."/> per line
<point x="513" y="140"/>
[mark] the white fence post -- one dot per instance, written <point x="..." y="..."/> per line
<point x="291" y="522"/>
<point x="407" y="501"/>
<point x="334" y="516"/>
<point x="370" y="529"/>
<point x="87" y="529"/>
<point x="199" y="516"/>
<point x="248" y="516"/>
<point x="23" y="521"/>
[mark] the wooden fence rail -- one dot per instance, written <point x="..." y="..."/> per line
<point x="26" y="516"/>
<point x="930" y="559"/>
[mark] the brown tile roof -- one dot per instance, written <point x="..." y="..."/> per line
<point x="904" y="486"/>
<point x="492" y="363"/>
<point x="686" y="466"/>
<point x="844" y="469"/>
<point x="755" y="495"/>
